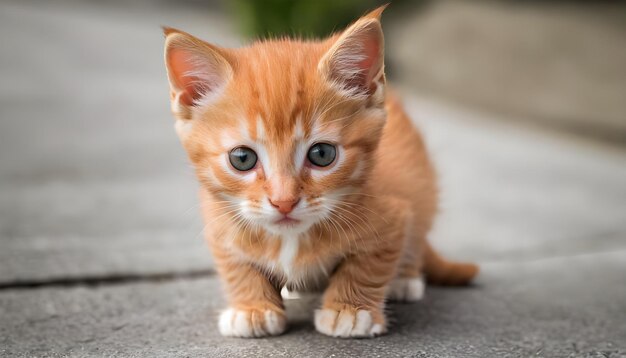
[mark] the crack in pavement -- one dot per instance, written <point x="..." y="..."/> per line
<point x="111" y="279"/>
<point x="610" y="243"/>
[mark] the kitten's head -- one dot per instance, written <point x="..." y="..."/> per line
<point x="283" y="132"/>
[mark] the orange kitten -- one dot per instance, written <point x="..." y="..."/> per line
<point x="311" y="177"/>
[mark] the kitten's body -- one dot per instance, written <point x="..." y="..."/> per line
<point x="350" y="228"/>
<point x="305" y="261"/>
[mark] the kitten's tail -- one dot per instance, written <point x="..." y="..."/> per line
<point x="440" y="271"/>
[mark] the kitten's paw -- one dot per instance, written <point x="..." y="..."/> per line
<point x="251" y="323"/>
<point x="406" y="289"/>
<point x="347" y="323"/>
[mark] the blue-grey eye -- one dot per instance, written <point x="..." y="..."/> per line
<point x="242" y="158"/>
<point x="322" y="154"/>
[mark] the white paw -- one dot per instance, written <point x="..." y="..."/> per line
<point x="347" y="324"/>
<point x="406" y="289"/>
<point x="289" y="295"/>
<point x="251" y="323"/>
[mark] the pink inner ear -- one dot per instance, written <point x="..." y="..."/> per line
<point x="367" y="68"/>
<point x="181" y="65"/>
<point x="369" y="65"/>
<point x="359" y="59"/>
<point x="371" y="51"/>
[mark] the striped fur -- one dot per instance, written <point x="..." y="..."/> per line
<point x="359" y="223"/>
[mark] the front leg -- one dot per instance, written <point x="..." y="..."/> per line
<point x="353" y="303"/>
<point x="255" y="305"/>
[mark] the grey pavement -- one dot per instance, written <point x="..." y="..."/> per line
<point x="534" y="308"/>
<point x="93" y="179"/>
<point x="101" y="251"/>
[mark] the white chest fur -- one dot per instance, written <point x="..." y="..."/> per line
<point x="289" y="248"/>
<point x="296" y="273"/>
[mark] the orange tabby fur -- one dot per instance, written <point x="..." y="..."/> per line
<point x="363" y="220"/>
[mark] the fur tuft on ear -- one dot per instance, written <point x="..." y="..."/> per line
<point x="196" y="70"/>
<point x="376" y="13"/>
<point x="355" y="62"/>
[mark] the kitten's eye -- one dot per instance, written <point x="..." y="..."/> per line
<point x="322" y="154"/>
<point x="242" y="158"/>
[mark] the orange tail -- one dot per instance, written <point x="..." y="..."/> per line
<point x="440" y="271"/>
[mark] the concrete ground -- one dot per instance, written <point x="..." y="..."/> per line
<point x="100" y="245"/>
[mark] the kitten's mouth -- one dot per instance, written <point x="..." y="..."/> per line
<point x="287" y="221"/>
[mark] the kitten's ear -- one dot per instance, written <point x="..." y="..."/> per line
<point x="196" y="70"/>
<point x="355" y="62"/>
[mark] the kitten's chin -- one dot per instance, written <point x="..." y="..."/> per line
<point x="288" y="227"/>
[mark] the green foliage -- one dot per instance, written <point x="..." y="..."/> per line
<point x="306" y="18"/>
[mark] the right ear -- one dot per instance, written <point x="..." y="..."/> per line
<point x="197" y="71"/>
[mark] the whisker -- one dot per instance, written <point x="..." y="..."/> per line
<point x="365" y="222"/>
<point x="358" y="206"/>
<point x="352" y="227"/>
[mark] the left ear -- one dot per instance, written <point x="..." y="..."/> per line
<point x="355" y="62"/>
<point x="196" y="70"/>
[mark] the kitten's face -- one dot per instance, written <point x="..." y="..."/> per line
<point x="275" y="132"/>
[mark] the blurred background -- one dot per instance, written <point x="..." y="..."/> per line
<point x="522" y="103"/>
<point x="91" y="170"/>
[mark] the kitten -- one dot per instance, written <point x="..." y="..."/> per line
<point x="311" y="177"/>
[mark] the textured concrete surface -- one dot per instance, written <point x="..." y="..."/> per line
<point x="556" y="307"/>
<point x="98" y="209"/>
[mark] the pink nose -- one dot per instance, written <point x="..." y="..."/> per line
<point x="285" y="206"/>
